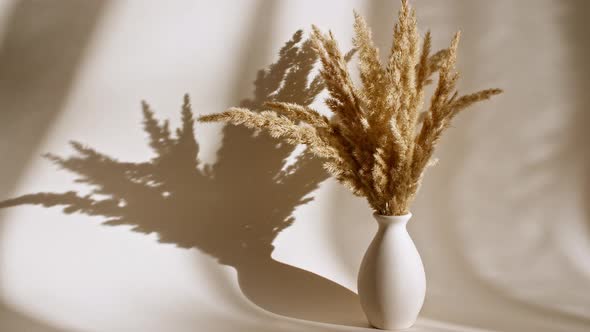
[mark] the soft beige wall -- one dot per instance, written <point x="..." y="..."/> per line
<point x="502" y="222"/>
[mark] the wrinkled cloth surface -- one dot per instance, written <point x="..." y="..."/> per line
<point x="502" y="222"/>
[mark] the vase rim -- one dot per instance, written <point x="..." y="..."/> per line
<point x="392" y="219"/>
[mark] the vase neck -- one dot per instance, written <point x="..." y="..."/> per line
<point x="389" y="221"/>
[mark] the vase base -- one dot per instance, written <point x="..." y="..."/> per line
<point x="400" y="327"/>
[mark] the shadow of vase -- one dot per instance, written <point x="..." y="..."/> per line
<point x="231" y="210"/>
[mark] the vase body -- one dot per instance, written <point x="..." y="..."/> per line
<point x="391" y="281"/>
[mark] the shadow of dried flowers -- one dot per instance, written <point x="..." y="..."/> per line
<point x="231" y="210"/>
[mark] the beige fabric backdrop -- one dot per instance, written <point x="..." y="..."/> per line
<point x="502" y="223"/>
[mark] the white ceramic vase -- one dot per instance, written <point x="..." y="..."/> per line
<point x="391" y="281"/>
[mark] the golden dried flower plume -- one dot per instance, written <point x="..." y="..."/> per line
<point x="379" y="141"/>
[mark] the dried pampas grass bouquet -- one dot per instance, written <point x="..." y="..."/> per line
<point x="379" y="142"/>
